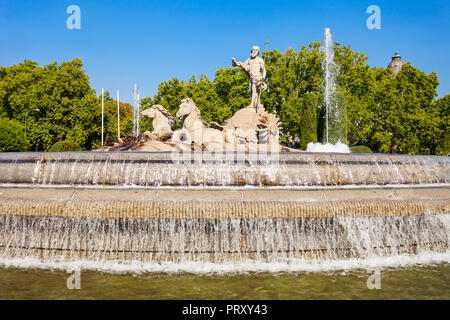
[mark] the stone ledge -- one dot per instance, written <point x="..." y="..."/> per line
<point x="229" y="209"/>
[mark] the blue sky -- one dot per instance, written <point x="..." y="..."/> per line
<point x="122" y="42"/>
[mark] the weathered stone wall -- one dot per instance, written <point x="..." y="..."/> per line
<point x="219" y="209"/>
<point x="222" y="204"/>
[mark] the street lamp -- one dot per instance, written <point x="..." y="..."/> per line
<point x="26" y="120"/>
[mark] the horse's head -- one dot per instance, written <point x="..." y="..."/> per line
<point x="148" y="113"/>
<point x="187" y="107"/>
<point x="156" y="109"/>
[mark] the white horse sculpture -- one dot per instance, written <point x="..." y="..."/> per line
<point x="162" y="122"/>
<point x="200" y="134"/>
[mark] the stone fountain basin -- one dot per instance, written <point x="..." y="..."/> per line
<point x="220" y="169"/>
<point x="222" y="224"/>
<point x="146" y="206"/>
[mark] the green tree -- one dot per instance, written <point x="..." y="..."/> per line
<point x="294" y="87"/>
<point x="440" y="143"/>
<point x="355" y="84"/>
<point x="68" y="107"/>
<point x="12" y="136"/>
<point x="62" y="94"/>
<point x="66" y="145"/>
<point x="231" y="85"/>
<point x="403" y="116"/>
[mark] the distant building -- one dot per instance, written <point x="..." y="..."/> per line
<point x="396" y="64"/>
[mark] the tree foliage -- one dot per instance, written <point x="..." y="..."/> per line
<point x="441" y="140"/>
<point x="387" y="113"/>
<point x="68" y="107"/>
<point x="12" y="136"/>
<point x="360" y="149"/>
<point x="66" y="145"/>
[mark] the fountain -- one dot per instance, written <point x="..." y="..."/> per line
<point x="334" y="136"/>
<point x="239" y="201"/>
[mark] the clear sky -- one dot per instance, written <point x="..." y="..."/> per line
<point x="122" y="42"/>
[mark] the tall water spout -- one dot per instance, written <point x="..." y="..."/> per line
<point x="329" y="82"/>
<point x="335" y="113"/>
<point x="334" y="134"/>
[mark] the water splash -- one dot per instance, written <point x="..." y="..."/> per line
<point x="289" y="265"/>
<point x="328" y="147"/>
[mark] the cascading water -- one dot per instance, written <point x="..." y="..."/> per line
<point x="335" y="128"/>
<point x="130" y="209"/>
<point x="218" y="240"/>
<point x="158" y="169"/>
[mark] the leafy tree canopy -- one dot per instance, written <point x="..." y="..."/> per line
<point x="67" y="106"/>
<point x="387" y="113"/>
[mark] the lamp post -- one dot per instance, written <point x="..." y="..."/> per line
<point x="267" y="42"/>
<point x="26" y="114"/>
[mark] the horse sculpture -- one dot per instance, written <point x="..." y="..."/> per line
<point x="162" y="122"/>
<point x="198" y="130"/>
<point x="246" y="130"/>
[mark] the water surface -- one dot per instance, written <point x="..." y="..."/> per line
<point x="413" y="282"/>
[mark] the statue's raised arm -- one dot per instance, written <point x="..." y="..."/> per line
<point x="243" y="65"/>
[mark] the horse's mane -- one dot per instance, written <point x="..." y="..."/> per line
<point x="166" y="113"/>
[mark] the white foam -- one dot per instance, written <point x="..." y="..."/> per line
<point x="288" y="265"/>
<point x="244" y="187"/>
<point x="328" y="147"/>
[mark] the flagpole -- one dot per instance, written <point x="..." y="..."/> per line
<point x="137" y="116"/>
<point x="102" y="114"/>
<point x="135" y="111"/>
<point x="118" y="115"/>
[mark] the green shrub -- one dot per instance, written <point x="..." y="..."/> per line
<point x="12" y="136"/>
<point x="360" y="149"/>
<point x="65" y="145"/>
